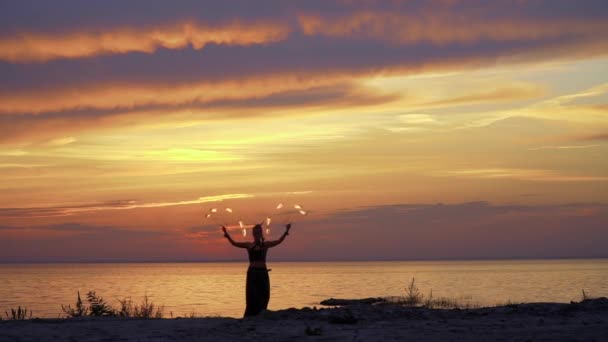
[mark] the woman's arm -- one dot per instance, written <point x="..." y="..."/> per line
<point x="232" y="242"/>
<point x="278" y="242"/>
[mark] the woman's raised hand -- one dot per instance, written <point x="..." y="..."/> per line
<point x="287" y="228"/>
<point x="225" y="232"/>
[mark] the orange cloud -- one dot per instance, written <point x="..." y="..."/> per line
<point x="594" y="137"/>
<point x="535" y="175"/>
<point x="129" y="96"/>
<point x="40" y="47"/>
<point x="112" y="205"/>
<point x="48" y="116"/>
<point x="443" y="28"/>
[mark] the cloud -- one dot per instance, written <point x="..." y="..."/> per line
<point x="228" y="101"/>
<point x="535" y="175"/>
<point x="48" y="101"/>
<point x="81" y="242"/>
<point x="40" y="47"/>
<point x="13" y="153"/>
<point x="442" y="28"/>
<point x="469" y="36"/>
<point x="417" y="119"/>
<point x="337" y="94"/>
<point x="69" y="210"/>
<point x="297" y="92"/>
<point x="396" y="28"/>
<point x="61" y="141"/>
<point x="229" y="75"/>
<point x="74" y="227"/>
<point x="131" y="96"/>
<point x="512" y="93"/>
<point x="118" y="28"/>
<point x="455" y="231"/>
<point x="566" y="147"/>
<point x="399" y="232"/>
<point x="595" y="137"/>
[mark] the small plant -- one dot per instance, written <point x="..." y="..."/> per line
<point x="586" y="296"/>
<point x="98" y="307"/>
<point x="126" y="308"/>
<point x="428" y="302"/>
<point x="148" y="310"/>
<point x="19" y="314"/>
<point x="79" y="311"/>
<point x="412" y="294"/>
<point x="450" y="303"/>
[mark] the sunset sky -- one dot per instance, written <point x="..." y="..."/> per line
<point x="444" y="129"/>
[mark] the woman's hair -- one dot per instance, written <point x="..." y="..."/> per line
<point x="257" y="229"/>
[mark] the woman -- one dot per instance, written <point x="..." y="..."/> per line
<point x="258" y="283"/>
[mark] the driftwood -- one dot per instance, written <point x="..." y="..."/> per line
<point x="343" y="302"/>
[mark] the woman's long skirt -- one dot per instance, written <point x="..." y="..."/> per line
<point x="257" y="291"/>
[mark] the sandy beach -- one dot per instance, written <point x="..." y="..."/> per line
<point x="583" y="321"/>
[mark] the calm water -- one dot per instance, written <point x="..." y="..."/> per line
<point x="219" y="288"/>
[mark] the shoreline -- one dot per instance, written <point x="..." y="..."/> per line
<point x="360" y="320"/>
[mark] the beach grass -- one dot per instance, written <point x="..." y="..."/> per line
<point x="96" y="306"/>
<point x="415" y="297"/>
<point x="18" y="314"/>
<point x="586" y="296"/>
<point x="145" y="310"/>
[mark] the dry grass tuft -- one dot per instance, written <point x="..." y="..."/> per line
<point x="19" y="314"/>
<point x="98" y="307"/>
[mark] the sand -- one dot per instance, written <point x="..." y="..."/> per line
<point x="584" y="321"/>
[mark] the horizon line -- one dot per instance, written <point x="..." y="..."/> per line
<point x="298" y="260"/>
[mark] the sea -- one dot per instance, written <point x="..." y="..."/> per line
<point x="218" y="289"/>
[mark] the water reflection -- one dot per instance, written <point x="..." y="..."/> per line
<point x="218" y="288"/>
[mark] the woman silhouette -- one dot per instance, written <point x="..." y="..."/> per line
<point x="258" y="283"/>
